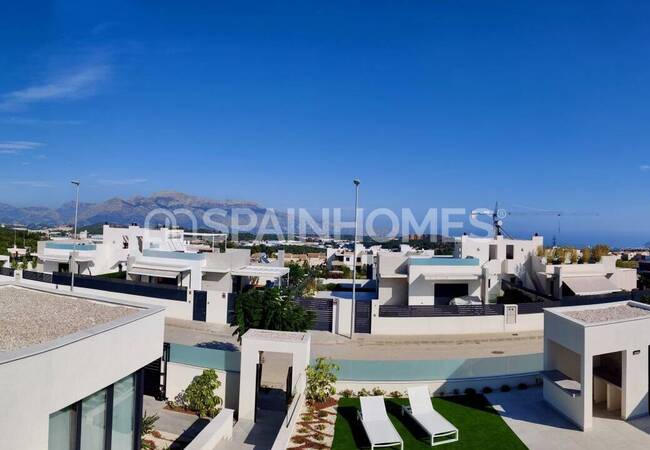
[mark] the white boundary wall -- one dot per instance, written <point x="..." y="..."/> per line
<point x="218" y="429"/>
<point x="453" y="325"/>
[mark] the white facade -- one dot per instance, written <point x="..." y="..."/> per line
<point x="599" y="363"/>
<point x="474" y="272"/>
<point x="42" y="379"/>
<point x="603" y="277"/>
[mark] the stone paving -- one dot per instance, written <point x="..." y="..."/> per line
<point x="540" y="427"/>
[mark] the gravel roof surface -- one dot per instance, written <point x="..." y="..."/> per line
<point x="29" y="317"/>
<point x="610" y="314"/>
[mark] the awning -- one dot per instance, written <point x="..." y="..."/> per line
<point x="62" y="258"/>
<point x="158" y="271"/>
<point x="261" y="271"/>
<point x="215" y="269"/>
<point x="590" y="285"/>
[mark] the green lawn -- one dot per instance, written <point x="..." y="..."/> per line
<point x="478" y="424"/>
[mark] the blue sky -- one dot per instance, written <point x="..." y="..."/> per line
<point x="432" y="104"/>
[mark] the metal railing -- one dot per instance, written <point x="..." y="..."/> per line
<point x="37" y="276"/>
<point x="178" y="293"/>
<point x="440" y="310"/>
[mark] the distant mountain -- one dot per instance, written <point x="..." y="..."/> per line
<point x="123" y="212"/>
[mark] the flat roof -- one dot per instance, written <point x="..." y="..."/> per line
<point x="32" y="316"/>
<point x="614" y="313"/>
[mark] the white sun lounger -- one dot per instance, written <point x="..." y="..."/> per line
<point x="421" y="410"/>
<point x="377" y="425"/>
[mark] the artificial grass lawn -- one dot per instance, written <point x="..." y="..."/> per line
<point x="479" y="426"/>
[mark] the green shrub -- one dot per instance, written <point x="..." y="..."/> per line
<point x="321" y="378"/>
<point x="378" y="391"/>
<point x="487" y="390"/>
<point x="505" y="388"/>
<point x="347" y="393"/>
<point x="364" y="393"/>
<point x="470" y="391"/>
<point x="522" y="386"/>
<point x="200" y="395"/>
<point x="396" y="394"/>
<point x="147" y="427"/>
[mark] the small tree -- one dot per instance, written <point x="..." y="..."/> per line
<point x="586" y="255"/>
<point x="200" y="395"/>
<point x="599" y="251"/>
<point x="321" y="378"/>
<point x="270" y="309"/>
<point x="34" y="262"/>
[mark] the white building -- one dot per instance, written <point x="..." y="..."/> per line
<point x="474" y="272"/>
<point x="336" y="258"/>
<point x="163" y="256"/>
<point x="560" y="280"/>
<point x="596" y="357"/>
<point x="480" y="265"/>
<point x="71" y="369"/>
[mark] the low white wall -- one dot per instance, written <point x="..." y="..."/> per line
<point x="454" y="325"/>
<point x="443" y="387"/>
<point x="342" y="312"/>
<point x="217" y="310"/>
<point x="218" y="429"/>
<point x="569" y="407"/>
<point x="179" y="376"/>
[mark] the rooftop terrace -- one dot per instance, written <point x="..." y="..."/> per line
<point x="29" y="316"/>
<point x="609" y="314"/>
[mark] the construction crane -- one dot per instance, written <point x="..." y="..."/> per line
<point x="498" y="214"/>
<point x="551" y="213"/>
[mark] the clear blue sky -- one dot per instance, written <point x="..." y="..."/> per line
<point x="432" y="104"/>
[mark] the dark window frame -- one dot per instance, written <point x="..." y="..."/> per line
<point x="108" y="424"/>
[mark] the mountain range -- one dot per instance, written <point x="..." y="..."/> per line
<point x="125" y="211"/>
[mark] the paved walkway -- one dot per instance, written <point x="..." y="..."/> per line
<point x="371" y="346"/>
<point x="177" y="429"/>
<point x="247" y="435"/>
<point x="541" y="427"/>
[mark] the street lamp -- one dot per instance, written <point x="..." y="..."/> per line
<point x="356" y="182"/>
<point x="74" y="236"/>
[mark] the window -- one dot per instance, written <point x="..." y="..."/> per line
<point x="63" y="429"/>
<point x="105" y="420"/>
<point x="123" y="413"/>
<point x="93" y="421"/>
<point x="493" y="252"/>
<point x="510" y="251"/>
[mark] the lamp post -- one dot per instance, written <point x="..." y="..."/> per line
<point x="74" y="236"/>
<point x="354" y="254"/>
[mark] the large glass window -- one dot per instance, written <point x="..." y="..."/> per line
<point x="107" y="416"/>
<point x="63" y="429"/>
<point x="93" y="421"/>
<point x="123" y="413"/>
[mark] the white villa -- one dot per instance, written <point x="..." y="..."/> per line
<point x="475" y="272"/>
<point x="162" y="256"/>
